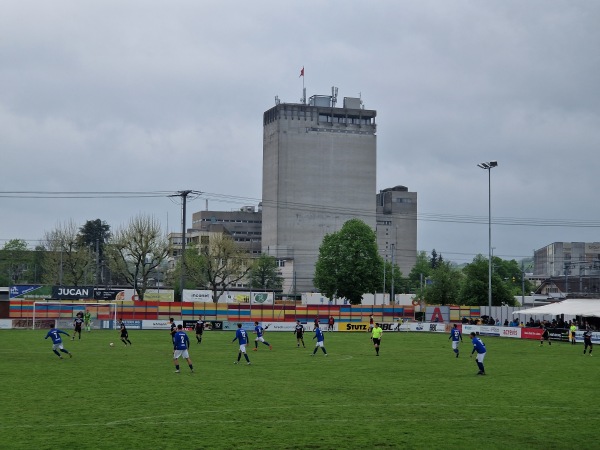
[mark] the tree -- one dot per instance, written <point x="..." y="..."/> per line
<point x="195" y="271"/>
<point x="264" y="273"/>
<point x="224" y="264"/>
<point x="511" y="273"/>
<point x="134" y="252"/>
<point x="393" y="273"/>
<point x="419" y="272"/>
<point x="444" y="288"/>
<point x="433" y="261"/>
<point x="15" y="262"/>
<point x="67" y="262"/>
<point x="349" y="264"/>
<point x="95" y="233"/>
<point x="475" y="288"/>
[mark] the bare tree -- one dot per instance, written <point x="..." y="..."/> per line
<point x="67" y="261"/>
<point x="134" y="252"/>
<point x="225" y="264"/>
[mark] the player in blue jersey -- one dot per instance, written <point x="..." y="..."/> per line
<point x="260" y="331"/>
<point x="181" y="344"/>
<point x="456" y="336"/>
<point x="54" y="334"/>
<point x="320" y="341"/>
<point x="242" y="338"/>
<point x="479" y="347"/>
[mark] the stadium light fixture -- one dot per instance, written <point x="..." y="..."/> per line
<point x="489" y="166"/>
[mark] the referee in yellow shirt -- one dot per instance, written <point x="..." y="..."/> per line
<point x="376" y="337"/>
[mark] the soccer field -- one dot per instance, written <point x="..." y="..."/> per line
<point x="415" y="395"/>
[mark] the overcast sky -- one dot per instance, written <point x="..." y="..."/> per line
<point x="162" y="96"/>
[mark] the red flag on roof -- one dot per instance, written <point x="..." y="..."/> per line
<point x="301" y="72"/>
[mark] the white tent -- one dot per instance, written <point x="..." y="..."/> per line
<point x="572" y="307"/>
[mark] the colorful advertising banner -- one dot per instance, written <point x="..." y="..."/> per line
<point x="206" y="296"/>
<point x="72" y="292"/>
<point x="29" y="291"/>
<point x="109" y="294"/>
<point x="213" y="325"/>
<point x="352" y="326"/>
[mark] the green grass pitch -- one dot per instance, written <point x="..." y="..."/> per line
<point x="415" y="395"/>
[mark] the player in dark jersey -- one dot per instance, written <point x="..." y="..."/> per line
<point x="173" y="328"/>
<point x="545" y="336"/>
<point x="299" y="330"/>
<point x="124" y="333"/>
<point x="199" y="330"/>
<point x="587" y="340"/>
<point x="78" y="322"/>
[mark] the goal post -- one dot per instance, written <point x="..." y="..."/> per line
<point x="54" y="310"/>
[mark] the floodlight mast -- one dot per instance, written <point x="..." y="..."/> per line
<point x="489" y="166"/>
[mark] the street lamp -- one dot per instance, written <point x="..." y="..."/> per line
<point x="489" y="166"/>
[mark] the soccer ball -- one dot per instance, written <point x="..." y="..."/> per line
<point x="111" y="344"/>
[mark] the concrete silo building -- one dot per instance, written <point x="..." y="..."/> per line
<point x="319" y="170"/>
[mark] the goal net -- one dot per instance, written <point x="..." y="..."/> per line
<point x="63" y="313"/>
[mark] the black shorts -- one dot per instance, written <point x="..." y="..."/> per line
<point x="376" y="341"/>
<point x="124" y="334"/>
<point x="77" y="328"/>
<point x="299" y="335"/>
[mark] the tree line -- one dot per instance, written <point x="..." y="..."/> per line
<point x="134" y="255"/>
<point x="348" y="266"/>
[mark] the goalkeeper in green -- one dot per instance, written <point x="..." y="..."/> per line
<point x="87" y="321"/>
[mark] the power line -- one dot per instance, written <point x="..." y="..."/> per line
<point x="312" y="207"/>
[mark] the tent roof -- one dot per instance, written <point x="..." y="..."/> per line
<point x="573" y="307"/>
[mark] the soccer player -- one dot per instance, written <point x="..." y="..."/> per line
<point x="173" y="328"/>
<point x="181" y="343"/>
<point x="479" y="347"/>
<point x="199" y="330"/>
<point x="587" y="340"/>
<point x="330" y="323"/>
<point x="87" y="320"/>
<point x="260" y="331"/>
<point x="572" y="330"/>
<point x="456" y="336"/>
<point x="124" y="333"/>
<point x="376" y="334"/>
<point x="370" y="324"/>
<point x="77" y="324"/>
<point x="320" y="341"/>
<point x="54" y="334"/>
<point x="545" y="336"/>
<point x="299" y="330"/>
<point x="242" y="338"/>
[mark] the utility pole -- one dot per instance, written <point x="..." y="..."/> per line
<point x="184" y="195"/>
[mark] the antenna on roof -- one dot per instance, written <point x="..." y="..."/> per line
<point x="334" y="93"/>
<point x="277" y="101"/>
